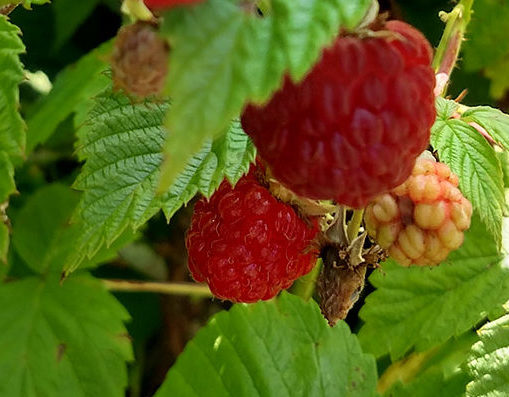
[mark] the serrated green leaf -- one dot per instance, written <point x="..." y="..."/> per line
<point x="495" y="122"/>
<point x="279" y="348"/>
<point x="43" y="235"/>
<point x="445" y="108"/>
<point x="422" y="307"/>
<point x="122" y="144"/>
<point x="12" y="127"/>
<point x="224" y="56"/>
<point x="74" y="88"/>
<point x="475" y="162"/>
<point x="489" y="361"/>
<point x="61" y="340"/>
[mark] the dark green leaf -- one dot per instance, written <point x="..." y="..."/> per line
<point x="279" y="348"/>
<point x="422" y="307"/>
<point x="62" y="340"/>
<point x="73" y="89"/>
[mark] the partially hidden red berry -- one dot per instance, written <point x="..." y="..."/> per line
<point x="139" y="60"/>
<point x="166" y="4"/>
<point x="354" y="126"/>
<point x="421" y="221"/>
<point x="247" y="245"/>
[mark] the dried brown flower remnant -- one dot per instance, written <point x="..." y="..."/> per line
<point x="140" y="60"/>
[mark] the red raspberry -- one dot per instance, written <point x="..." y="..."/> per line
<point x="166" y="4"/>
<point x="423" y="219"/>
<point x="354" y="126"/>
<point x="139" y="61"/>
<point x="246" y="244"/>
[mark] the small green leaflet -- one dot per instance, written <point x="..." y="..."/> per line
<point x="61" y="340"/>
<point x="122" y="144"/>
<point x="279" y="348"/>
<point x="12" y="128"/>
<point x="471" y="157"/>
<point x="422" y="307"/>
<point x="489" y="362"/>
<point x="495" y="122"/>
<point x="74" y="89"/>
<point x="224" y="56"/>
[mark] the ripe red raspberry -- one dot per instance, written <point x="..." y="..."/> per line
<point x="247" y="245"/>
<point x="139" y="60"/>
<point x="354" y="126"/>
<point x="423" y="219"/>
<point x="166" y="4"/>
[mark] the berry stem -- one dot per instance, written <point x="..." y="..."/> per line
<point x="448" y="49"/>
<point x="354" y="225"/>
<point x="405" y="370"/>
<point x="137" y="10"/>
<point x="192" y="289"/>
<point x="305" y="286"/>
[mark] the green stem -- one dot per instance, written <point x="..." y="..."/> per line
<point x="449" y="47"/>
<point x="305" y="286"/>
<point x="352" y="230"/>
<point x="406" y="369"/>
<point x="191" y="289"/>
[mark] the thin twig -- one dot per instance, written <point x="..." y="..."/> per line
<point x="191" y="289"/>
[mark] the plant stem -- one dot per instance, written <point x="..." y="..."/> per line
<point x="352" y="230"/>
<point x="404" y="370"/>
<point x="192" y="289"/>
<point x="448" y="49"/>
<point x="305" y="286"/>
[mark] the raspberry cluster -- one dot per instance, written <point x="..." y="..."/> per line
<point x="246" y="244"/>
<point x="423" y="219"/>
<point x="354" y="126"/>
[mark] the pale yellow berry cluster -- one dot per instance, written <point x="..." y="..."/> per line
<point x="423" y="220"/>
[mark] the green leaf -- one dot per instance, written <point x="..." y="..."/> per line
<point x="434" y="384"/>
<point x="278" y="348"/>
<point x="475" y="162"/>
<point x="421" y="307"/>
<point x="69" y="15"/>
<point x="61" y="340"/>
<point x="497" y="73"/>
<point x="122" y="144"/>
<point x="74" y="88"/>
<point x="224" y="56"/>
<point x="489" y="361"/>
<point x="12" y="127"/>
<point x="492" y="120"/>
<point x="487" y="42"/>
<point x="43" y="235"/>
